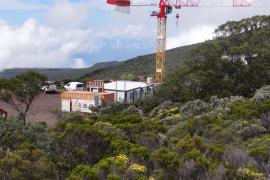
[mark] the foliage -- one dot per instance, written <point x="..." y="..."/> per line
<point x="128" y="76"/>
<point x="132" y="110"/>
<point x="250" y="173"/>
<point x="120" y="118"/>
<point x="79" y="143"/>
<point x="16" y="135"/>
<point x="196" y="130"/>
<point x="21" y="90"/>
<point x="112" y="108"/>
<point x="262" y="94"/>
<point x="207" y="139"/>
<point x="26" y="164"/>
<point x="235" y="63"/>
<point x="83" y="172"/>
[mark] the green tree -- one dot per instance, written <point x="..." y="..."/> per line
<point x="26" y="164"/>
<point x="21" y="90"/>
<point x="83" y="172"/>
<point x="128" y="76"/>
<point x="237" y="62"/>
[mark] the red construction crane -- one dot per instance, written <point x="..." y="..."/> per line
<point x="165" y="8"/>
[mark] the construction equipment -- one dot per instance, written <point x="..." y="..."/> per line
<point x="165" y="8"/>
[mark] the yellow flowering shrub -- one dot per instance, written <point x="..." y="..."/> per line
<point x="122" y="158"/>
<point x="168" y="112"/>
<point x="251" y="172"/>
<point x="101" y="124"/>
<point x="137" y="168"/>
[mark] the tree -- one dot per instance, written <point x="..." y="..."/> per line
<point x="128" y="76"/>
<point x="235" y="63"/>
<point x="21" y="90"/>
<point x="26" y="164"/>
<point x="83" y="172"/>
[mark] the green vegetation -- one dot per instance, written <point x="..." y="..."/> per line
<point x="207" y="122"/>
<point x="237" y="62"/>
<point x="20" y="91"/>
<point x="226" y="137"/>
<point x="128" y="76"/>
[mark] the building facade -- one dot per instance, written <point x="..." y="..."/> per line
<point x="123" y="90"/>
<point x="129" y="91"/>
<point x="83" y="101"/>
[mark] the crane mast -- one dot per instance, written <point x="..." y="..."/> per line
<point x="161" y="41"/>
<point x="161" y="49"/>
<point x="165" y="8"/>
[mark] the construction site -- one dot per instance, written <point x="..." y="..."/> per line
<point x="99" y="93"/>
<point x="96" y="93"/>
<point x="183" y="92"/>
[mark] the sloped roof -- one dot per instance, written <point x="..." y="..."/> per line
<point x="2" y="111"/>
<point x="123" y="85"/>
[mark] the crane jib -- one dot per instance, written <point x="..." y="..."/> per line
<point x="119" y="2"/>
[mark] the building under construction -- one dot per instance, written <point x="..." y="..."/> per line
<point x="97" y="93"/>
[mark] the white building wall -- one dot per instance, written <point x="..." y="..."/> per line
<point x="132" y="95"/>
<point x="80" y="105"/>
<point x="65" y="105"/>
<point x="118" y="96"/>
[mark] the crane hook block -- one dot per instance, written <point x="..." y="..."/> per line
<point x="177" y="19"/>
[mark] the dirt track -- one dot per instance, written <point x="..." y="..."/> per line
<point x="42" y="109"/>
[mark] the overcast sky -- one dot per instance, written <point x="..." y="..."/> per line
<point x="80" y="33"/>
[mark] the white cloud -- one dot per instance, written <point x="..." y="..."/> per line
<point x="197" y="34"/>
<point x="79" y="63"/>
<point x="34" y="45"/>
<point x="37" y="45"/>
<point x="74" y="27"/>
<point x="65" y="14"/>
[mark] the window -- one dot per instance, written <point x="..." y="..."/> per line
<point x="131" y="95"/>
<point x="79" y="85"/>
<point x="135" y="94"/>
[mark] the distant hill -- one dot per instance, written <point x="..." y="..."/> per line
<point x="58" y="73"/>
<point x="141" y="65"/>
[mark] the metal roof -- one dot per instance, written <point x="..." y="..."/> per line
<point x="123" y="85"/>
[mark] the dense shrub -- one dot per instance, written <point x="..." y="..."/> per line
<point x="120" y="118"/>
<point x="262" y="94"/>
<point x="26" y="164"/>
<point x="83" y="172"/>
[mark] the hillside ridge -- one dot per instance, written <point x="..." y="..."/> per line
<point x="140" y="65"/>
